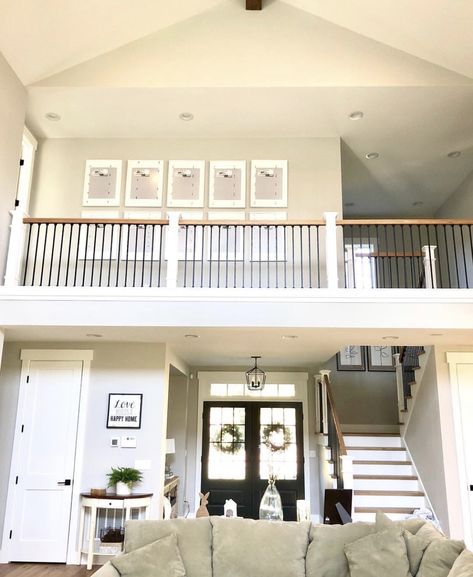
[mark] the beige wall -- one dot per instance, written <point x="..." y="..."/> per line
<point x="460" y="203"/>
<point x="12" y="120"/>
<point x="314" y="168"/>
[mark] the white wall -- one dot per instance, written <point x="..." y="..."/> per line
<point x="12" y="120"/>
<point x="314" y="168"/>
<point x="460" y="203"/>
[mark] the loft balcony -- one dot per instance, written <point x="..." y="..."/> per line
<point x="328" y="253"/>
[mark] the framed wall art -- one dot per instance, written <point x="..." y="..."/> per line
<point x="227" y="184"/>
<point x="124" y="410"/>
<point x="269" y="183"/>
<point x="102" y="183"/>
<point x="144" y="183"/>
<point x="380" y="358"/>
<point x="186" y="183"/>
<point x="351" y="358"/>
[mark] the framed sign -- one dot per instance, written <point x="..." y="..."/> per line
<point x="269" y="183"/>
<point x="380" y="358"/>
<point x="124" y="410"/>
<point x="144" y="183"/>
<point x="351" y="358"/>
<point x="186" y="181"/>
<point x="227" y="184"/>
<point x="103" y="179"/>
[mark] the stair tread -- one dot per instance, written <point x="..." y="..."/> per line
<point x="402" y="510"/>
<point x="371" y="435"/>
<point x="389" y="493"/>
<point x="375" y="449"/>
<point x="387" y="477"/>
<point x="382" y="462"/>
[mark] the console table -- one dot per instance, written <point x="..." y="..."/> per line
<point x="91" y="506"/>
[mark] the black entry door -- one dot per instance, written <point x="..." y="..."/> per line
<point x="244" y="442"/>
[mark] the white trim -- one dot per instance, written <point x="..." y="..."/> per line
<point x="28" y="135"/>
<point x="56" y="355"/>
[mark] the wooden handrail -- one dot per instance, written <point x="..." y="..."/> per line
<point x="30" y="220"/>
<point x="338" y="428"/>
<point x="184" y="222"/>
<point x="404" y="221"/>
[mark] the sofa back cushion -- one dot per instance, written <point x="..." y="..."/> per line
<point x="463" y="566"/>
<point x="194" y="539"/>
<point x="439" y="557"/>
<point x="246" y="548"/>
<point x="326" y="555"/>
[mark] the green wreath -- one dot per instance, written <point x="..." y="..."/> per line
<point x="227" y="437"/>
<point x="276" y="437"/>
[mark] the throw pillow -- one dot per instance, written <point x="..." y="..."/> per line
<point x="463" y="566"/>
<point x="418" y="543"/>
<point x="159" y="559"/>
<point x="382" y="553"/>
<point x="384" y="522"/>
<point x="326" y="557"/>
<point x="439" y="558"/>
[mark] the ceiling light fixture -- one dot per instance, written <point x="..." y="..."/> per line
<point x="289" y="337"/>
<point x="350" y="204"/>
<point x="186" y="116"/>
<point x="190" y="336"/>
<point x="418" y="203"/>
<point x="436" y="334"/>
<point x="372" y="155"/>
<point x="454" y="154"/>
<point x="255" y="377"/>
<point x="94" y="335"/>
<point x="390" y="337"/>
<point x="357" y="115"/>
<point x="53" y="116"/>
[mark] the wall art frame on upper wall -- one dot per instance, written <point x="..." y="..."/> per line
<point x="124" y="410"/>
<point x="186" y="183"/>
<point x="102" y="183"/>
<point x="269" y="183"/>
<point x="380" y="358"/>
<point x="227" y="184"/>
<point x="144" y="183"/>
<point x="351" y="358"/>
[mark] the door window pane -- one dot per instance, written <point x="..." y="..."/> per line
<point x="227" y="454"/>
<point x="278" y="443"/>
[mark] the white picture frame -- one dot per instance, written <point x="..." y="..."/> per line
<point x="186" y="183"/>
<point x="86" y="242"/>
<point x="227" y="184"/>
<point x="102" y="183"/>
<point x="233" y="239"/>
<point x="269" y="183"/>
<point x="139" y="235"/>
<point x="274" y="251"/>
<point x="144" y="183"/>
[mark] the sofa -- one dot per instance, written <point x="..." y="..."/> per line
<point x="237" y="547"/>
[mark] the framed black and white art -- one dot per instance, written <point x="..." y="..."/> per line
<point x="124" y="410"/>
<point x="227" y="184"/>
<point x="102" y="183"/>
<point x="144" y="183"/>
<point x="269" y="183"/>
<point x="186" y="182"/>
<point x="351" y="358"/>
<point x="380" y="358"/>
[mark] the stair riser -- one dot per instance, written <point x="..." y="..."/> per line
<point x="386" y="485"/>
<point x="382" y="470"/>
<point x="363" y="455"/>
<point x="362" y="441"/>
<point x="388" y="501"/>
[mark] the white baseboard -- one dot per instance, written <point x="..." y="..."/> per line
<point x="370" y="428"/>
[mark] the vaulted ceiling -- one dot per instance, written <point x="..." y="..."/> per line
<point x="297" y="68"/>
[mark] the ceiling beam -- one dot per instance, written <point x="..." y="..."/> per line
<point x="254" y="4"/>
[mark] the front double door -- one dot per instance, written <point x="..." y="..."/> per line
<point x="244" y="443"/>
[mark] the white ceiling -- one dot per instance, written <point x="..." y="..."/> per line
<point x="298" y="68"/>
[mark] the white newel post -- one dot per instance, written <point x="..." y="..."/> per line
<point x="428" y="252"/>
<point x="15" y="248"/>
<point x="400" y="385"/>
<point x="347" y="471"/>
<point x="331" y="253"/>
<point x="172" y="250"/>
<point x="323" y="373"/>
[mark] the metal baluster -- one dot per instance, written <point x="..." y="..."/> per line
<point x="251" y="254"/>
<point x="85" y="255"/>
<point x="135" y="259"/>
<point x="126" y="253"/>
<point x="119" y="253"/>
<point x="267" y="252"/>
<point x="464" y="254"/>
<point x="185" y="255"/>
<point x="30" y="228"/>
<point x="235" y="255"/>
<point x="218" y="257"/>
<point x="244" y="232"/>
<point x="52" y="254"/>
<point x="145" y="232"/>
<point x="194" y="228"/>
<point x="317" y="229"/>
<point x="112" y="232"/>
<point x="285" y="256"/>
<point x="202" y="242"/>
<point x="60" y="255"/>
<point x="276" y="232"/>
<point x="93" y="254"/>
<point x="79" y="232"/>
<point x="161" y="230"/>
<point x="153" y="226"/>
<point x="302" y="257"/>
<point x="293" y="259"/>
<point x="104" y="231"/>
<point x="211" y="255"/>
<point x="259" y="260"/>
<point x="454" y="244"/>
<point x="44" y="254"/>
<point x="227" y="232"/>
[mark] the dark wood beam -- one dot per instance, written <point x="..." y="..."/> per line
<point x="254" y="4"/>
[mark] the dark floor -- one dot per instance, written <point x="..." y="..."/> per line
<point x="42" y="570"/>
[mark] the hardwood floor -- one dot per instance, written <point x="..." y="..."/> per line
<point x="41" y="570"/>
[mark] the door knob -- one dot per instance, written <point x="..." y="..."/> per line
<point x="65" y="482"/>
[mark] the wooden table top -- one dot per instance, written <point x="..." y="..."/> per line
<point x="112" y="496"/>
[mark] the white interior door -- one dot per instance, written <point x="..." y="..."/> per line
<point x="47" y="425"/>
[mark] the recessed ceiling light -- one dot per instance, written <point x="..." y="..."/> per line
<point x="349" y="204"/>
<point x="357" y="115"/>
<point x="418" y="203"/>
<point x="289" y="337"/>
<point x="436" y="334"/>
<point x="186" y="116"/>
<point x="454" y="154"/>
<point x="390" y="337"/>
<point x="372" y="155"/>
<point x="94" y="335"/>
<point x="53" y="116"/>
<point x="189" y="336"/>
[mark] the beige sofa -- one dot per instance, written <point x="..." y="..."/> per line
<point x="222" y="547"/>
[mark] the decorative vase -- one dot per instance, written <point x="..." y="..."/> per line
<point x="123" y="489"/>
<point x="271" y="507"/>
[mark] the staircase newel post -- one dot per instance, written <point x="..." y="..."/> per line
<point x="172" y="250"/>
<point x="15" y="248"/>
<point x="323" y="373"/>
<point x="331" y="252"/>
<point x="399" y="384"/>
<point x="428" y="252"/>
<point x="347" y="471"/>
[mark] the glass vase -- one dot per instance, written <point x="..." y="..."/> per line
<point x="270" y="507"/>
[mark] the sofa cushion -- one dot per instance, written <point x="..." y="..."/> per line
<point x="326" y="555"/>
<point x="107" y="570"/>
<point x="411" y="525"/>
<point x="418" y="543"/>
<point x="463" y="566"/>
<point x="439" y="557"/>
<point x="244" y="547"/>
<point x="382" y="553"/>
<point x="159" y="559"/>
<point x="194" y="539"/>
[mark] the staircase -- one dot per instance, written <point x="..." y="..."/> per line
<point x="383" y="477"/>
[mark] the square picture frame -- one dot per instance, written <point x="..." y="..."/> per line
<point x="102" y="183"/>
<point x="269" y="183"/>
<point x="124" y="410"/>
<point x="144" y="183"/>
<point x="227" y="184"/>
<point x="351" y="358"/>
<point x="380" y="358"/>
<point x="186" y="183"/>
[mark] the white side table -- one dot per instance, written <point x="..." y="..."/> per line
<point x="90" y="507"/>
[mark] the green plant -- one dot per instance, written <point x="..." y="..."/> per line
<point x="126" y="475"/>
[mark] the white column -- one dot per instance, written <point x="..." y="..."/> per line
<point x="15" y="248"/>
<point x="172" y="250"/>
<point x="331" y="253"/>
<point x="428" y="253"/>
<point x="400" y="386"/>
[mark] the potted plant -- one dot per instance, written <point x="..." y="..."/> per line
<point x="123" y="478"/>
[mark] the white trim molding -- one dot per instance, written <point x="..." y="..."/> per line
<point x="56" y="355"/>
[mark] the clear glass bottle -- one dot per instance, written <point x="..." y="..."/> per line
<point x="270" y="507"/>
